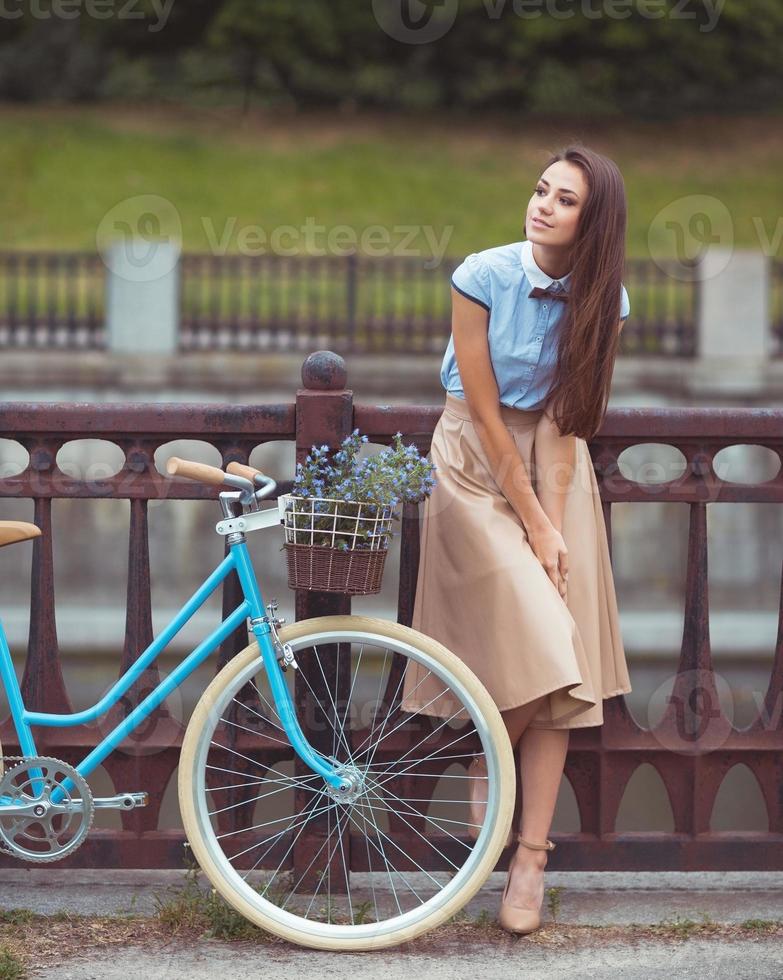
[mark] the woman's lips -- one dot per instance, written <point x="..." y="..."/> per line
<point x="540" y="223"/>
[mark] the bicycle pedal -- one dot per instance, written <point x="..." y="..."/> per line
<point x="122" y="801"/>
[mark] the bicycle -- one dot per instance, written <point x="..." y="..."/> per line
<point x="360" y="886"/>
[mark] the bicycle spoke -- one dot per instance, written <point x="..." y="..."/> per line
<point x="252" y="799"/>
<point x="387" y="715"/>
<point x="405" y="721"/>
<point x="380" y="766"/>
<point x="350" y="692"/>
<point x="275" y="837"/>
<point x="294" y="782"/>
<point x="419" y="833"/>
<point x="428" y="758"/>
<point x="395" y="844"/>
<point x="252" y="710"/>
<point x="323" y="710"/>
<point x="314" y="857"/>
<point x="379" y="847"/>
<point x="286" y="779"/>
<point x="244" y="830"/>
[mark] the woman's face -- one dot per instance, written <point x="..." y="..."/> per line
<point x="558" y="198"/>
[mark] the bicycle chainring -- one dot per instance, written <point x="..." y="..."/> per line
<point x="48" y="830"/>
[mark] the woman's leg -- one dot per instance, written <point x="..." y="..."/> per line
<point x="542" y="755"/>
<point x="517" y="719"/>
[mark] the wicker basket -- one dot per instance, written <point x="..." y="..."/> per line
<point x="335" y="545"/>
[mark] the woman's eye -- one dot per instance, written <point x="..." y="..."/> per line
<point x="563" y="200"/>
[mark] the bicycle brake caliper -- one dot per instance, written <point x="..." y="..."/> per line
<point x="285" y="655"/>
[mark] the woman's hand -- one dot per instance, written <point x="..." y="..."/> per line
<point x="550" y="549"/>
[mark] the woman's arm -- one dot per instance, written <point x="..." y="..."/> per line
<point x="555" y="457"/>
<point x="471" y="348"/>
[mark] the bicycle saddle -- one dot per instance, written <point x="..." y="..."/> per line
<point x="11" y="531"/>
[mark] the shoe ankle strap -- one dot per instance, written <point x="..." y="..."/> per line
<point x="548" y="846"/>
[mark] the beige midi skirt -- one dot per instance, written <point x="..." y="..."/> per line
<point x="482" y="592"/>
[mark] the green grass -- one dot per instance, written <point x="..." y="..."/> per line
<point x="683" y="927"/>
<point x="16" y="917"/>
<point x="554" y="901"/>
<point x="65" y="168"/>
<point x="11" y="967"/>
<point x="760" y="925"/>
<point x="193" y="907"/>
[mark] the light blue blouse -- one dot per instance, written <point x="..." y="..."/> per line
<point x="522" y="331"/>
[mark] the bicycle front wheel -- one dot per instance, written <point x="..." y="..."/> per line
<point x="400" y="855"/>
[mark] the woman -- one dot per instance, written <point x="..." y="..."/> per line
<point x="514" y="572"/>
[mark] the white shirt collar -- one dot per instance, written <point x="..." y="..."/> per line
<point x="535" y="275"/>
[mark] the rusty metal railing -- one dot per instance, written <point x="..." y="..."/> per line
<point x="601" y="760"/>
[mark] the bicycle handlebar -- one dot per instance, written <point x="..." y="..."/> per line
<point x="248" y="472"/>
<point x="236" y="475"/>
<point x="195" y="471"/>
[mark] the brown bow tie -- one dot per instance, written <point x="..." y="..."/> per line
<point x="536" y="292"/>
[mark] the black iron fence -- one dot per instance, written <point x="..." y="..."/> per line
<point x="52" y="301"/>
<point x="776" y="306"/>
<point x="362" y="305"/>
<point x="353" y="304"/>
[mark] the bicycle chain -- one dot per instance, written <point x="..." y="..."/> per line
<point x="3" y="760"/>
<point x="4" y="847"/>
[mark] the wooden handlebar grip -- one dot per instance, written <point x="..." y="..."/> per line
<point x="239" y="469"/>
<point x="195" y="471"/>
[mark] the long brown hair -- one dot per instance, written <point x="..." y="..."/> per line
<point x="588" y="329"/>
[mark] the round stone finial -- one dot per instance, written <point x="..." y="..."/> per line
<point x="323" y="370"/>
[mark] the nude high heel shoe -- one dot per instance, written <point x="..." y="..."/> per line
<point x="512" y="917"/>
<point x="477" y="770"/>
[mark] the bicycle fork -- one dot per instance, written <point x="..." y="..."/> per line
<point x="278" y="657"/>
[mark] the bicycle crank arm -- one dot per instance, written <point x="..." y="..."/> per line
<point x="122" y="801"/>
<point x="35" y="808"/>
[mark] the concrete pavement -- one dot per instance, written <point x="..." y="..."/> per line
<point x="603" y="900"/>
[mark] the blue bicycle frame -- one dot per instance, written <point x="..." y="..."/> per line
<point x="237" y="560"/>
